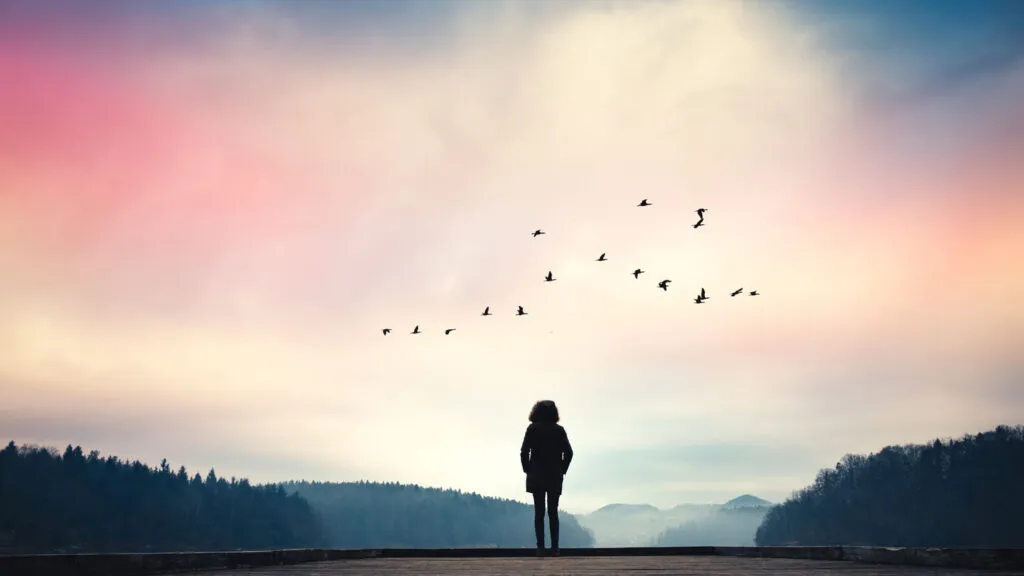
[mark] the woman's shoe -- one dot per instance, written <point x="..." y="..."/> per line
<point x="540" y="552"/>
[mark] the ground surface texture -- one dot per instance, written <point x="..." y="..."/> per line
<point x="590" y="566"/>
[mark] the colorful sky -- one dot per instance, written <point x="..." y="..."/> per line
<point x="209" y="210"/>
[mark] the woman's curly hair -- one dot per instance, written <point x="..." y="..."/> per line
<point x="544" y="411"/>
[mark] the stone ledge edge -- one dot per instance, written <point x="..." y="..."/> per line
<point x="145" y="564"/>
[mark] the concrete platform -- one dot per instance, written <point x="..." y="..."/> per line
<point x="592" y="566"/>
<point x="582" y="561"/>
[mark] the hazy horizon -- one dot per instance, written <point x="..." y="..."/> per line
<point x="210" y="210"/>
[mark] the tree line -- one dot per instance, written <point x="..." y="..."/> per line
<point x="52" y="502"/>
<point x="952" y="493"/>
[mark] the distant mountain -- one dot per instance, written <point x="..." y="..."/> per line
<point x="642" y="524"/>
<point x="746" y="501"/>
<point x="624" y="524"/>
<point x="625" y="509"/>
<point x="726" y="526"/>
<point x="694" y="509"/>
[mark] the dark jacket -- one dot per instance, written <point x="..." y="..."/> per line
<point x="545" y="456"/>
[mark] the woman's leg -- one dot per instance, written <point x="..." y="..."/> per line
<point x="553" y="518"/>
<point x="538" y="517"/>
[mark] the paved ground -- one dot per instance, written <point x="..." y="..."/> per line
<point x="589" y="566"/>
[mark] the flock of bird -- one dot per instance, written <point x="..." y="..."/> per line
<point x="663" y="284"/>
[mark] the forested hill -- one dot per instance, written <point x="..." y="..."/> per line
<point x="967" y="492"/>
<point x="53" y="502"/>
<point x="391" y="515"/>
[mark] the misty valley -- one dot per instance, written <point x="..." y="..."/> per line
<point x="731" y="524"/>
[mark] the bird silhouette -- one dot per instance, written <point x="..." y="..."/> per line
<point x="538" y="232"/>
<point x="644" y="202"/>
<point x="637" y="273"/>
<point x="386" y="331"/>
<point x="449" y="331"/>
<point x="698" y="224"/>
<point x="664" y="285"/>
<point x="700" y="212"/>
<point x="487" y="312"/>
<point x="698" y="300"/>
<point x="549" y="277"/>
<point x="601" y="258"/>
<point x="416" y="330"/>
<point x="737" y="292"/>
<point x="754" y="293"/>
<point x="703" y="296"/>
<point x="520" y="312"/>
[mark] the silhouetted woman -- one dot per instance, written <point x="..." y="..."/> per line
<point x="545" y="456"/>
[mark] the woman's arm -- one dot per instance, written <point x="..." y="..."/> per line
<point x="524" y="451"/>
<point x="566" y="452"/>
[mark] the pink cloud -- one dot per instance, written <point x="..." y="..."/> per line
<point x="125" y="190"/>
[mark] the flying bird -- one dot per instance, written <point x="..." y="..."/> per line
<point x="700" y="212"/>
<point x="601" y="258"/>
<point x="538" y="232"/>
<point x="386" y="331"/>
<point x="664" y="285"/>
<point x="698" y="300"/>
<point x="416" y="330"/>
<point x="449" y="331"/>
<point x="644" y="202"/>
<point x="737" y="292"/>
<point x="754" y="293"/>
<point x="549" y="277"/>
<point x="637" y="273"/>
<point x="698" y="224"/>
<point x="487" y="312"/>
<point x="703" y="296"/>
<point x="520" y="312"/>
